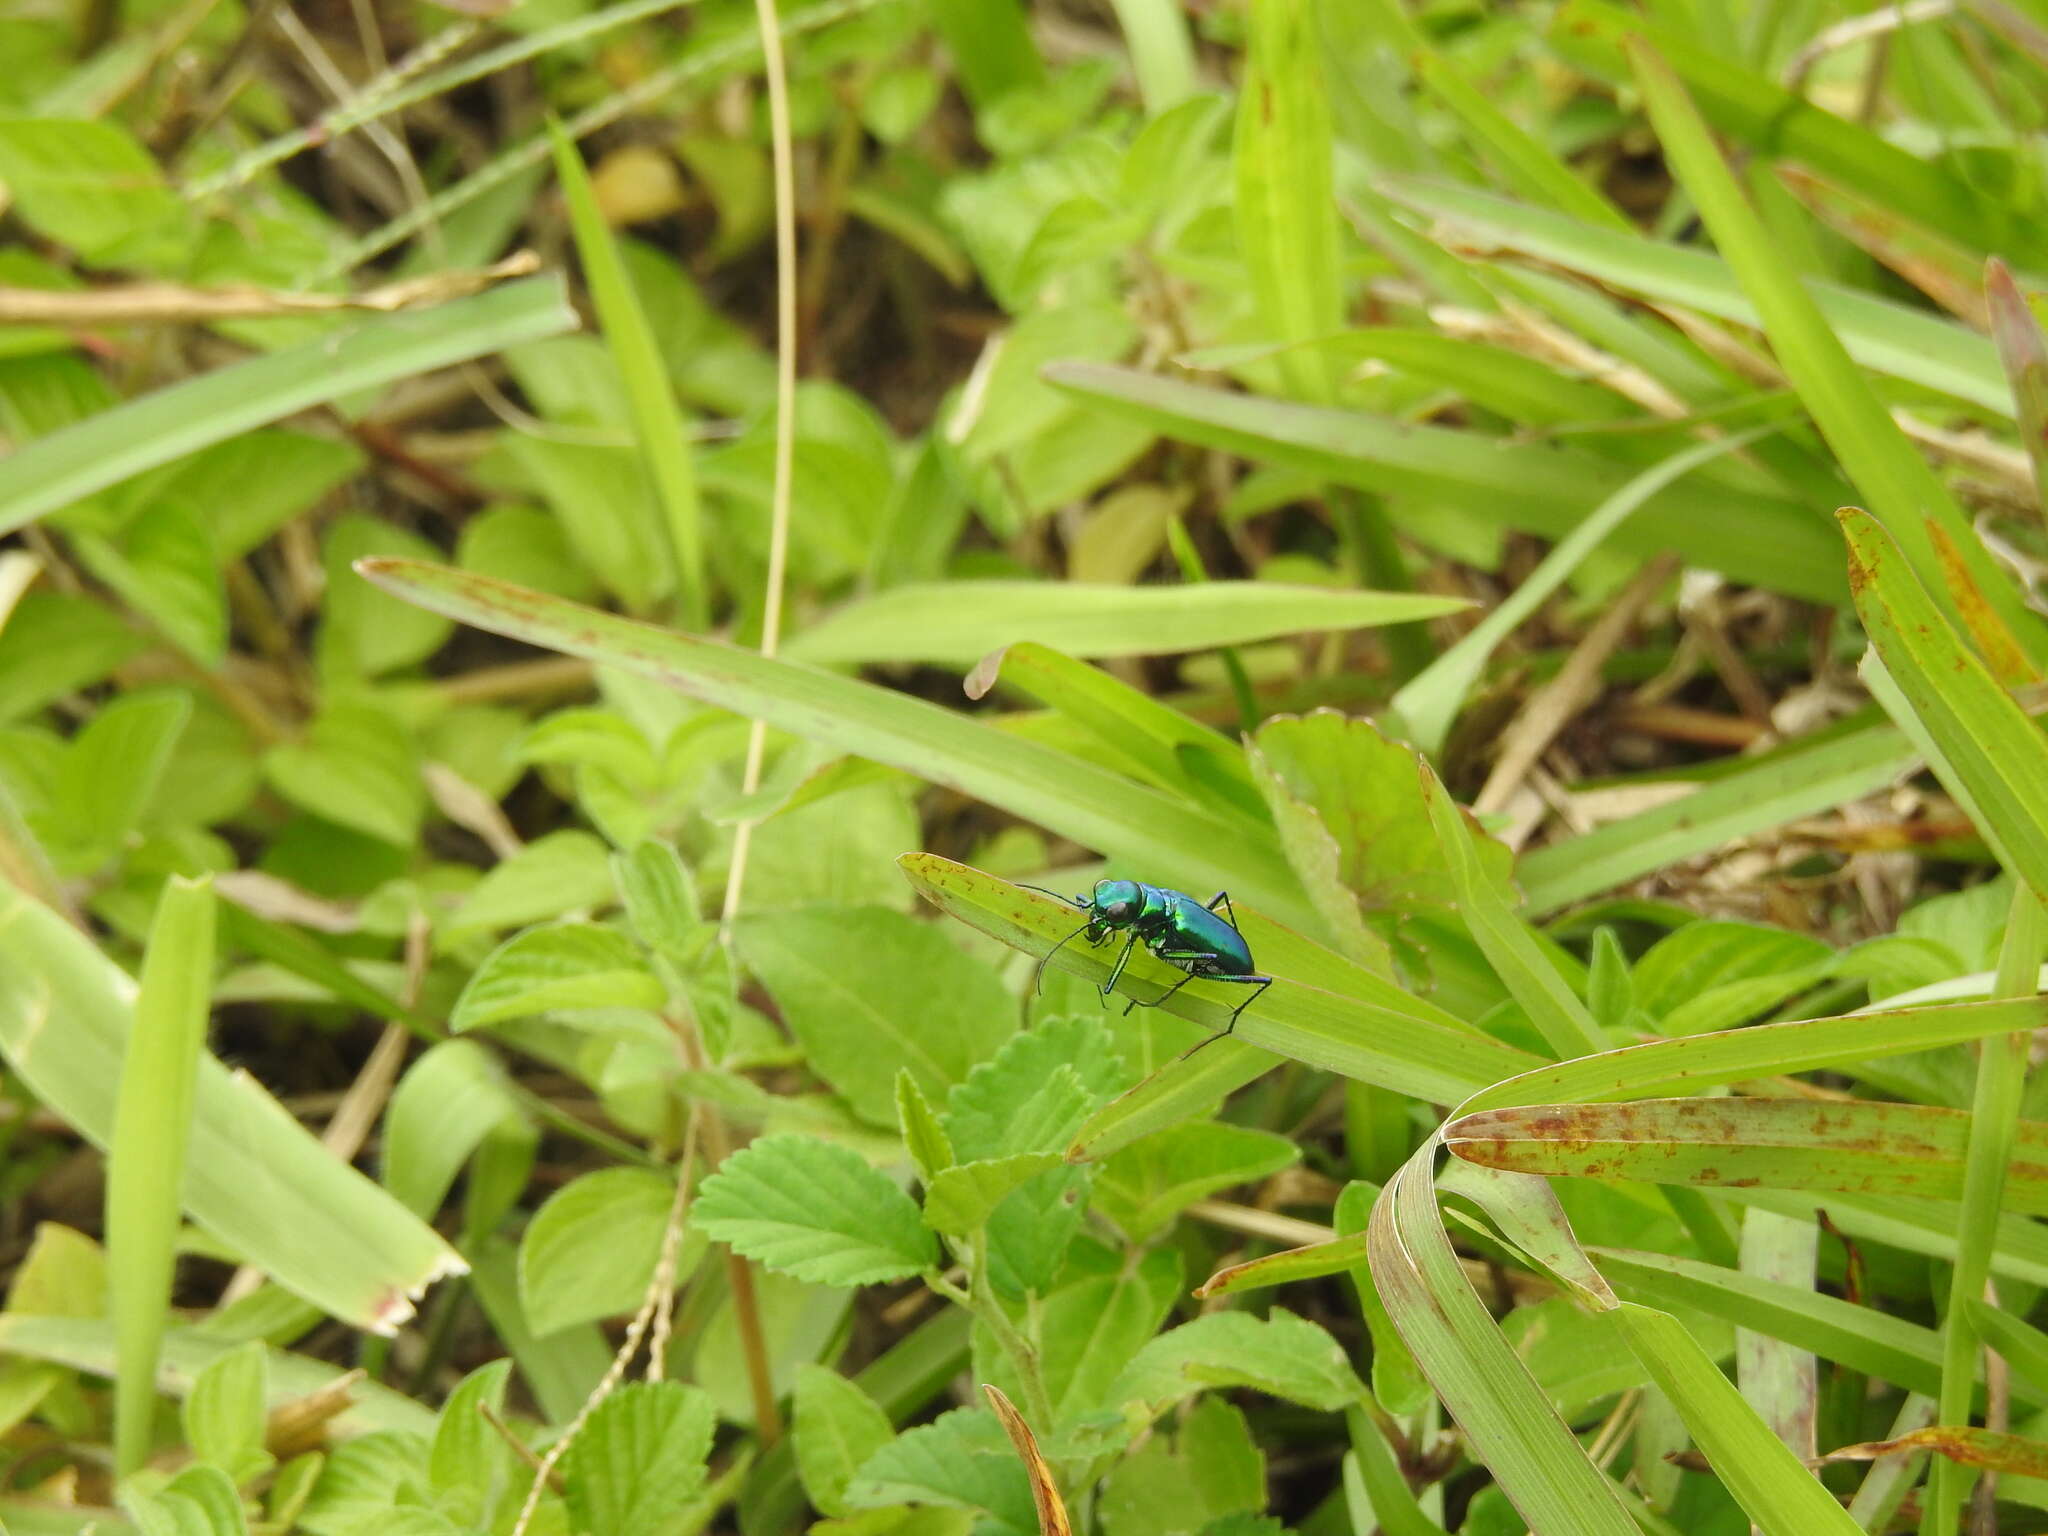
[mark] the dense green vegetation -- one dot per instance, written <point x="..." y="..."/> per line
<point x="536" y="732"/>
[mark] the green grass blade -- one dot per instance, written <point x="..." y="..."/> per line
<point x="2023" y="1346"/>
<point x="1695" y="1062"/>
<point x="1889" y="471"/>
<point x="255" y="1178"/>
<point x="1162" y="55"/>
<point x="1286" y="210"/>
<point x="1904" y="343"/>
<point x="1782" y="1497"/>
<point x="1510" y="1424"/>
<point x="1321" y="1009"/>
<point x="146" y="1161"/>
<point x="1564" y="1021"/>
<point x="1539" y="489"/>
<point x="103" y="450"/>
<point x="1095" y="807"/>
<point x="1801" y="780"/>
<point x="658" y="424"/>
<point x="1996" y="754"/>
<point x="1993" y="1124"/>
<point x="88" y="1344"/>
<point x="1527" y="166"/>
<point x="1430" y="701"/>
<point x="958" y="623"/>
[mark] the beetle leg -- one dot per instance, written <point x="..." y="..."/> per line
<point x="1229" y="912"/>
<point x="1122" y="960"/>
<point x="1162" y="997"/>
<point x="1263" y="981"/>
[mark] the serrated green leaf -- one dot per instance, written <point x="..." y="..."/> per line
<point x="639" y="1460"/>
<point x="471" y="1469"/>
<point x="573" y="965"/>
<point x="961" y="1198"/>
<point x="225" y="1413"/>
<point x="1144" y="1186"/>
<point x="563" y="871"/>
<point x="815" y="1210"/>
<point x="1282" y="1355"/>
<point x="962" y="1459"/>
<point x="923" y="1136"/>
<point x="843" y="979"/>
<point x="357" y="767"/>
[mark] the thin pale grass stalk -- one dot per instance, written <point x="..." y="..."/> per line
<point x="1995" y="1108"/>
<point x="663" y="1282"/>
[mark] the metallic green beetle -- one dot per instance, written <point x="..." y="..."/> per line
<point x="1174" y="926"/>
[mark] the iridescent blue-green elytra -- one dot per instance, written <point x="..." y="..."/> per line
<point x="1177" y="928"/>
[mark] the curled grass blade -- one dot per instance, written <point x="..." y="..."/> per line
<point x="2024" y="352"/>
<point x="1095" y="807"/>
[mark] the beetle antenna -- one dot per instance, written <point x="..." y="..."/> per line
<point x="1072" y="901"/>
<point x="1038" y="976"/>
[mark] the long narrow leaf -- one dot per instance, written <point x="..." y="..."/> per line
<point x="105" y="449"/>
<point x="146" y="1163"/>
<point x="1187" y="847"/>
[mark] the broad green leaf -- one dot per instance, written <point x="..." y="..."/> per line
<point x="574" y="965"/>
<point x="591" y="1248"/>
<point x="1364" y="1026"/>
<point x="358" y="767"/>
<point x="1857" y="1146"/>
<point x="1889" y="471"/>
<point x="1035" y="1091"/>
<point x="660" y="899"/>
<point x="960" y="1199"/>
<point x="868" y="993"/>
<point x="837" y="1427"/>
<point x="470" y="1465"/>
<point x="165" y="568"/>
<point x="640" y="1459"/>
<point x="224" y="1413"/>
<point x="813" y="1209"/>
<point x="1211" y="1471"/>
<point x="1759" y="540"/>
<point x="564" y="871"/>
<point x="1282" y="1355"/>
<point x="199" y="1501"/>
<point x="1995" y="751"/>
<point x="54" y="643"/>
<point x="63" y="1274"/>
<point x="364" y="633"/>
<point x="1147" y="1184"/>
<point x="961" y="1459"/>
<point x="254" y="1177"/>
<point x="90" y="185"/>
<point x="958" y="623"/>
<point x="105" y="449"/>
<point x="1089" y="1330"/>
<point x="111" y="772"/>
<point x="452" y="1097"/>
<point x="151" y="1138"/>
<point x="1091" y="805"/>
